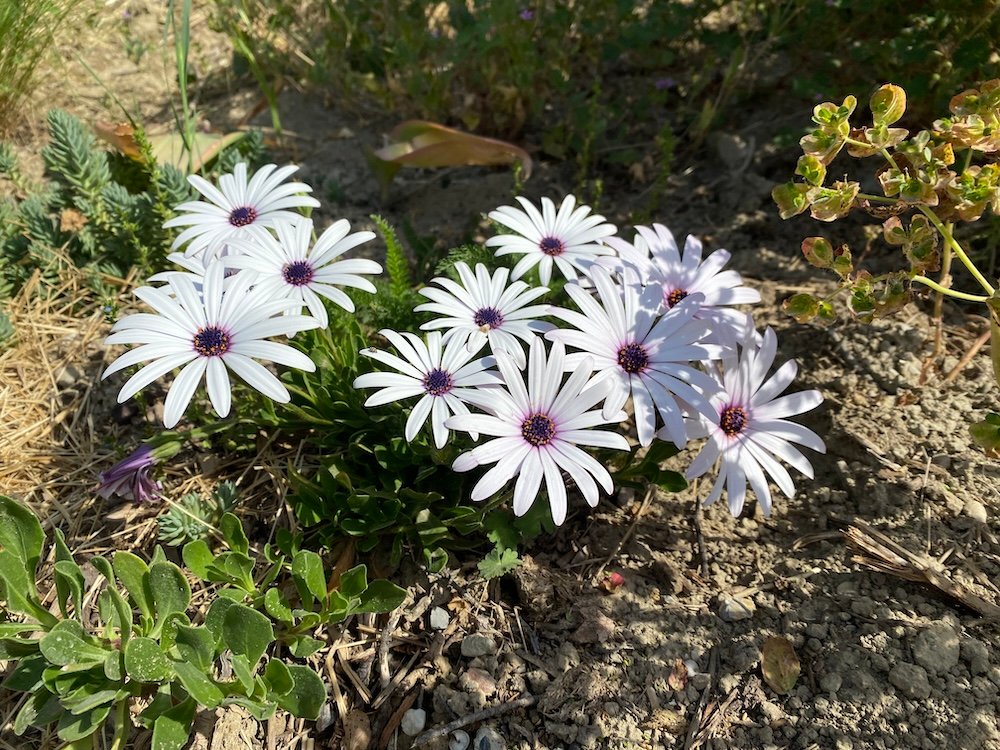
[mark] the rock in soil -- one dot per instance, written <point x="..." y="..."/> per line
<point x="478" y="644"/>
<point x="937" y="648"/>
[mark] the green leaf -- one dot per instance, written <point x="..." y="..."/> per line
<point x="304" y="646"/>
<point x="169" y="589"/>
<point x="114" y="666"/>
<point x="145" y="662"/>
<point x="198" y="557"/>
<point x="353" y="582"/>
<point x="195" y="645"/>
<point x="198" y="684"/>
<point x="172" y="727"/>
<point x="669" y="481"/>
<point x="803" y="307"/>
<point x="28" y="675"/>
<point x="74" y="727"/>
<point x="811" y="169"/>
<point x="247" y="632"/>
<point x="818" y="251"/>
<point x="134" y="575"/>
<point x="790" y="199"/>
<point x="69" y="583"/>
<point x="244" y="672"/>
<point x="87" y="699"/>
<point x="276" y="606"/>
<point x="277" y="678"/>
<point x="309" y="578"/>
<point x="67" y="643"/>
<point x="216" y="617"/>
<point x="21" y="541"/>
<point x="498" y="562"/>
<point x="381" y="596"/>
<point x="17" y="648"/>
<point x="123" y="612"/>
<point x="232" y="532"/>
<point x="102" y="566"/>
<point x="308" y="694"/>
<point x="40" y="710"/>
<point x="888" y="104"/>
<point x="986" y="433"/>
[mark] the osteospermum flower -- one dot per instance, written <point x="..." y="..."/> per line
<point x="292" y="268"/>
<point x="443" y="376"/>
<point x="659" y="261"/>
<point x="569" y="239"/>
<point x="639" y="352"/>
<point x="238" y="208"/>
<point x="207" y="333"/>
<point x="749" y="434"/>
<point x="538" y="430"/>
<point x="484" y="308"/>
<point x="129" y="478"/>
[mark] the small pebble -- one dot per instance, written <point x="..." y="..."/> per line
<point x="413" y="722"/>
<point x="439" y="618"/>
<point x="459" y="740"/>
<point x="478" y="644"/>
<point x="975" y="510"/>
<point x="734" y="609"/>
<point x="487" y="738"/>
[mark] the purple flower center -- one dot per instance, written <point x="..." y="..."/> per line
<point x="488" y="316"/>
<point x="538" y="429"/>
<point x="552" y="246"/>
<point x="437" y="382"/>
<point x="211" y="341"/>
<point x="733" y="420"/>
<point x="633" y="358"/>
<point x="674" y="297"/>
<point x="298" y="273"/>
<point x="240" y="217"/>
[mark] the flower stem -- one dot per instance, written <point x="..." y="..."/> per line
<point x="121" y="725"/>
<point x="948" y="292"/>
<point x="950" y="240"/>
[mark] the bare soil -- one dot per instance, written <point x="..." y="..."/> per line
<point x="673" y="657"/>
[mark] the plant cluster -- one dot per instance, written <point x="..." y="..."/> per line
<point x="96" y="210"/>
<point x="140" y="647"/>
<point x="933" y="181"/>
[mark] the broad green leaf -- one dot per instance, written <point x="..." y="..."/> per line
<point x="310" y="580"/>
<point x="69" y="583"/>
<point x="169" y="588"/>
<point x="381" y="596"/>
<point x="232" y="532"/>
<point x="304" y="646"/>
<point x="195" y="645"/>
<point x="172" y="727"/>
<point x="276" y="606"/>
<point x="88" y="698"/>
<point x="198" y="684"/>
<point x="114" y="666"/>
<point x="233" y="567"/>
<point x="247" y="632"/>
<point x="277" y="678"/>
<point x="260" y="709"/>
<point x="145" y="662"/>
<point x="74" y="727"/>
<point x="216" y="616"/>
<point x="67" y="643"/>
<point x="790" y="198"/>
<point x="21" y="541"/>
<point x="28" y="675"/>
<point x="308" y="694"/>
<point x="888" y="104"/>
<point x="134" y="575"/>
<point x="669" y="481"/>
<point x="803" y="307"/>
<point x="198" y="557"/>
<point x="244" y="672"/>
<point x="354" y="581"/>
<point x="40" y="710"/>
<point x="161" y="703"/>
<point x="986" y="433"/>
<point x="18" y="648"/>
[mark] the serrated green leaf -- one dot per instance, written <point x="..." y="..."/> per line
<point x="145" y="662"/>
<point x="308" y="694"/>
<point x="498" y="562"/>
<point x="247" y="632"/>
<point x="172" y="728"/>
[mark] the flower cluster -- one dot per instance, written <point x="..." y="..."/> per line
<point x="250" y="269"/>
<point x="653" y="336"/>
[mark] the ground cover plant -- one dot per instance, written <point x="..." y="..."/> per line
<point x="305" y="453"/>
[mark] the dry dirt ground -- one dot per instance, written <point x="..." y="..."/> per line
<point x="545" y="658"/>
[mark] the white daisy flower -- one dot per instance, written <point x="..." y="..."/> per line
<point x="749" y="432"/>
<point x="484" y="308"/>
<point x="207" y="332"/>
<point x="659" y="261"/>
<point x="538" y="429"/>
<point x="570" y="239"/>
<point x="288" y="268"/>
<point x="443" y="375"/>
<point x="238" y="208"/>
<point x="639" y="352"/>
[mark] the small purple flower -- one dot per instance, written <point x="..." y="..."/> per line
<point x="664" y="83"/>
<point x="527" y="14"/>
<point x="129" y="478"/>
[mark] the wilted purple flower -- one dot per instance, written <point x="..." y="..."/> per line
<point x="129" y="478"/>
<point x="526" y="14"/>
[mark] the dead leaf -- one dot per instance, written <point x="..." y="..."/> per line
<point x="169" y="148"/>
<point x="357" y="730"/>
<point x="418" y="143"/>
<point x="677" y="680"/>
<point x="779" y="664"/>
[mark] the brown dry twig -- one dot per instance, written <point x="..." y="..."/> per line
<point x="877" y="551"/>
<point x="483" y="715"/>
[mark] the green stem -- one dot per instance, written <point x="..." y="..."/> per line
<point x="877" y="198"/>
<point x="948" y="292"/>
<point x="121" y="725"/>
<point x="950" y="240"/>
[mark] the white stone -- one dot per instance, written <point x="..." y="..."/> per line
<point x="439" y="618"/>
<point x="413" y="722"/>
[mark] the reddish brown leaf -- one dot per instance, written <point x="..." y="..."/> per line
<point x="677" y="680"/>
